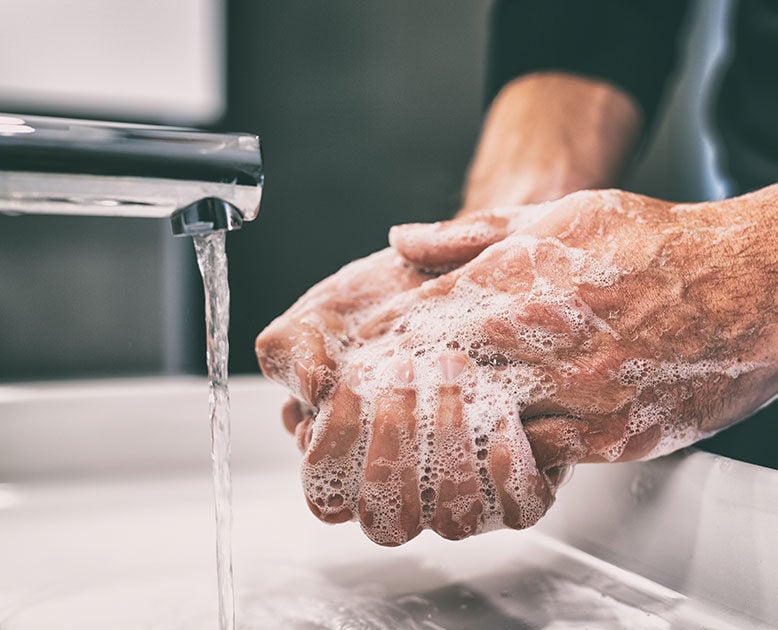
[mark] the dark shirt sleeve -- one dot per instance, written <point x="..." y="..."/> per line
<point x="629" y="43"/>
<point x="747" y="113"/>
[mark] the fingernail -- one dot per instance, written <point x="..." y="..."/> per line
<point x="304" y="434"/>
<point x="451" y="366"/>
<point x="404" y="370"/>
<point x="356" y="375"/>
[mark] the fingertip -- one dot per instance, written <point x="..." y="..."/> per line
<point x="389" y="504"/>
<point x="458" y="510"/>
<point x="267" y="346"/>
<point x="399" y="234"/>
<point x="447" y="244"/>
<point x="303" y="434"/>
<point x="294" y="352"/>
<point x="331" y="457"/>
<point x="292" y="415"/>
<point x="556" y="440"/>
<point x="313" y="380"/>
<point x="451" y="366"/>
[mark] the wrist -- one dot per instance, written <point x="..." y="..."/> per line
<point x="549" y="134"/>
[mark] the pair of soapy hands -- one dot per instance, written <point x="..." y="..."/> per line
<point x="449" y="381"/>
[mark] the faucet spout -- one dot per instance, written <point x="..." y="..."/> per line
<point x="200" y="181"/>
<point x="206" y="216"/>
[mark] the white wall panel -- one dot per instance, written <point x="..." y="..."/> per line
<point x="146" y="59"/>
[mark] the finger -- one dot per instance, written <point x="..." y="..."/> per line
<point x="557" y="442"/>
<point x="295" y="353"/>
<point x="359" y="285"/>
<point x="389" y="502"/>
<point x="448" y="244"/>
<point x="560" y="441"/>
<point x="457" y="508"/>
<point x="334" y="458"/>
<point x="292" y="414"/>
<point x="304" y="434"/>
<point x="522" y="492"/>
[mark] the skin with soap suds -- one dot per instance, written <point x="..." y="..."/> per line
<point x="448" y="382"/>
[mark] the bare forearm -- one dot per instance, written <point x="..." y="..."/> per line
<point x="549" y="134"/>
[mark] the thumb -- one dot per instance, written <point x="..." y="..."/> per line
<point x="447" y="244"/>
<point x="559" y="441"/>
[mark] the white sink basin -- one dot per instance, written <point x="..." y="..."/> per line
<point x="106" y="521"/>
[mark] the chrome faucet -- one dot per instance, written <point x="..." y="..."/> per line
<point x="203" y="182"/>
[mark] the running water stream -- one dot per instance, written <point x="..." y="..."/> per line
<point x="212" y="260"/>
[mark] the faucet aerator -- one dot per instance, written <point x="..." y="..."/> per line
<point x="205" y="217"/>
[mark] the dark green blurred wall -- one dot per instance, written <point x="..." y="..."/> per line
<point x="368" y="112"/>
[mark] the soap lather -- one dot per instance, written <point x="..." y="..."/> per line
<point x="202" y="182"/>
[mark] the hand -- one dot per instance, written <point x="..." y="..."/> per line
<point x="616" y="328"/>
<point x="300" y="348"/>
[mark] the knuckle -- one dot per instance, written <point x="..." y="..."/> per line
<point x="327" y="515"/>
<point x="449" y="531"/>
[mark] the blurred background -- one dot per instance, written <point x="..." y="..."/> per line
<point x="368" y="111"/>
